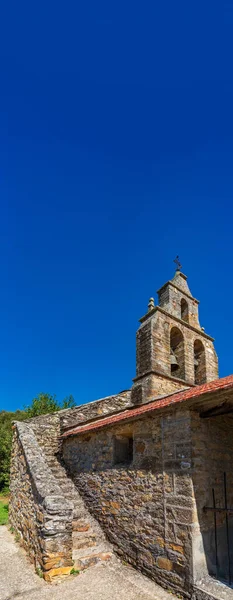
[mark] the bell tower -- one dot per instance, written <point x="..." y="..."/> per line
<point x="173" y="351"/>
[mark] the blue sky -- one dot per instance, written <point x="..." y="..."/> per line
<point x="116" y="154"/>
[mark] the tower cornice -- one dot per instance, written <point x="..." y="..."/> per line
<point x="179" y="290"/>
<point x="174" y="318"/>
<point x="164" y="376"/>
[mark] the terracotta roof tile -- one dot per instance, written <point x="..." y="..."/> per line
<point x="127" y="414"/>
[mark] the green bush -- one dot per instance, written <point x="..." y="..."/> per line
<point x="39" y="572"/>
<point x="74" y="571"/>
<point x="3" y="513"/>
<point x="6" y="419"/>
<point x="42" y="404"/>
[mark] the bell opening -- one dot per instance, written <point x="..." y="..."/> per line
<point x="174" y="363"/>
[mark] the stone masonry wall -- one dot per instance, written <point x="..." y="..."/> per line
<point x="93" y="410"/>
<point x="170" y="299"/>
<point x="212" y="456"/>
<point x="153" y="348"/>
<point x="39" y="512"/>
<point x="47" y="430"/>
<point x="164" y="325"/>
<point x="154" y="386"/>
<point x="146" y="507"/>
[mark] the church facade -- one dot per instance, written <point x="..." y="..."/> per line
<point x="145" y="473"/>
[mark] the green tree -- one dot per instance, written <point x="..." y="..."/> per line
<point x="45" y="404"/>
<point x="42" y="404"/>
<point x="6" y="419"/>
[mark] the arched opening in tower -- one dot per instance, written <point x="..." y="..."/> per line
<point x="184" y="310"/>
<point x="177" y="358"/>
<point x="199" y="363"/>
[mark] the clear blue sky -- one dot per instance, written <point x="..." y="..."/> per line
<point x="116" y="154"/>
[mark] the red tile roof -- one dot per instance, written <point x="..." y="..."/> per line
<point x="200" y="390"/>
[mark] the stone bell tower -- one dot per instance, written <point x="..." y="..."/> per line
<point x="173" y="351"/>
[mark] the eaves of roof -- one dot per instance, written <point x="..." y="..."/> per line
<point x="197" y="392"/>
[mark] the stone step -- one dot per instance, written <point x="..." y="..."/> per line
<point x="64" y="482"/>
<point x="83" y="540"/>
<point x="58" y="469"/>
<point x="66" y="488"/>
<point x="61" y="479"/>
<point x="79" y="513"/>
<point x="88" y="540"/>
<point x="66" y="485"/>
<point x="78" y="504"/>
<point x="82" y="553"/>
<point x="90" y="556"/>
<point x="78" y="501"/>
<point x="55" y="465"/>
<point x="60" y="475"/>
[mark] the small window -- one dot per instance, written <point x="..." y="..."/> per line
<point x="199" y="363"/>
<point x="123" y="450"/>
<point x="177" y="358"/>
<point x="184" y="309"/>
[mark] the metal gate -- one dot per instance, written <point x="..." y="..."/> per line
<point x="226" y="512"/>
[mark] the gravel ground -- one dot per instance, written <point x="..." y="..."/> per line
<point x="110" y="581"/>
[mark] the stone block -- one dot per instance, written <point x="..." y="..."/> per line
<point x="58" y="572"/>
<point x="164" y="563"/>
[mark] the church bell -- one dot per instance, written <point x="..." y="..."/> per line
<point x="173" y="361"/>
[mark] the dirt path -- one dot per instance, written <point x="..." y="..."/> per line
<point x="112" y="581"/>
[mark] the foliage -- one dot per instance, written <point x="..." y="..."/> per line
<point x="45" y="404"/>
<point x="6" y="419"/>
<point x="3" y="511"/>
<point x="42" y="404"/>
<point x="74" y="571"/>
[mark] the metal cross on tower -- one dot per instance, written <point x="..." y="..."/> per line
<point x="178" y="263"/>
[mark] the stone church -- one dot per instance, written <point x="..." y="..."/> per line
<point x="146" y="473"/>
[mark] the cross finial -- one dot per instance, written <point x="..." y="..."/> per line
<point x="178" y="263"/>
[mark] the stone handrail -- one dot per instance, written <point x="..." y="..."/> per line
<point x="39" y="512"/>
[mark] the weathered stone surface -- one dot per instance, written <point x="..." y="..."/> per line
<point x="38" y="510"/>
<point x="58" y="572"/>
<point x="79" y="525"/>
<point x="143" y="481"/>
<point x="153" y="342"/>
<point x="92" y="410"/>
<point x="107" y="580"/>
<point x="46" y="508"/>
<point x="140" y="508"/>
<point x="164" y="563"/>
<point x="91" y="560"/>
<point x="212" y="443"/>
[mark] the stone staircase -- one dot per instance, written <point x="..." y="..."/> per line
<point x="89" y="543"/>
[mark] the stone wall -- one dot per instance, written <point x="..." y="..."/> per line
<point x="153" y="369"/>
<point x="212" y="456"/>
<point x="153" y="386"/>
<point x="93" y="410"/>
<point x="47" y="430"/>
<point x="146" y="507"/>
<point x="39" y="513"/>
<point x="170" y="298"/>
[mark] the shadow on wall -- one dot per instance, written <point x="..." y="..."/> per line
<point x="213" y="457"/>
<point x="123" y="475"/>
<point x="104" y="451"/>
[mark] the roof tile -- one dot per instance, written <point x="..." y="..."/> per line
<point x="127" y="414"/>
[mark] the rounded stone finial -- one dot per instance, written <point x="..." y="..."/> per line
<point x="151" y="304"/>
